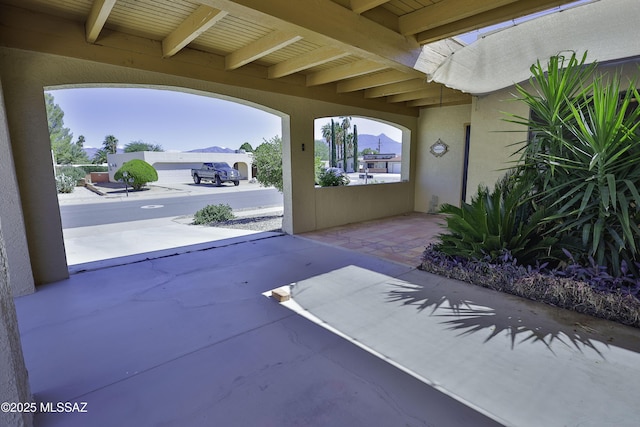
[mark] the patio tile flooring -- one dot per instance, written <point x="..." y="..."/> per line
<point x="401" y="238"/>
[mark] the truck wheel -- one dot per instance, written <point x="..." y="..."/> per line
<point x="218" y="182"/>
<point x="236" y="183"/>
<point x="196" y="179"/>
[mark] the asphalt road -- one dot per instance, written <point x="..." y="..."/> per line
<point x="89" y="214"/>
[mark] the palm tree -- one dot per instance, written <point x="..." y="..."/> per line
<point x="110" y="144"/>
<point x="328" y="133"/>
<point x="345" y="137"/>
<point x="355" y="148"/>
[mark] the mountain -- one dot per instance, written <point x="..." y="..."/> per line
<point x="387" y="145"/>
<point x="212" y="150"/>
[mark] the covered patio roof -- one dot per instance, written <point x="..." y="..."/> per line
<point x="353" y="51"/>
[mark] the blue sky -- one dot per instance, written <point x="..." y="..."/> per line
<point x="175" y="120"/>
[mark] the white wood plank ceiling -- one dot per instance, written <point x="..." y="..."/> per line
<point x="367" y="47"/>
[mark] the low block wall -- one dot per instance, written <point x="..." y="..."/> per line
<point x="99" y="176"/>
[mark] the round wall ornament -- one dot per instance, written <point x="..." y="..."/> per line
<point x="439" y="148"/>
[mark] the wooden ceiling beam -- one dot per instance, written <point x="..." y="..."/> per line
<point x="311" y="59"/>
<point x="395" y="88"/>
<point x="346" y="71"/>
<point x="98" y="15"/>
<point x="327" y="23"/>
<point x="359" y="6"/>
<point x="460" y="98"/>
<point x="374" y="80"/>
<point x="435" y="91"/>
<point x="484" y="19"/>
<point x="445" y="12"/>
<point x="203" y="18"/>
<point x="270" y="43"/>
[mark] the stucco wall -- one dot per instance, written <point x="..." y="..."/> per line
<point x="493" y="139"/>
<point x="11" y="213"/>
<point x="439" y="179"/>
<point x="343" y="205"/>
<point x="14" y="381"/>
<point x="29" y="73"/>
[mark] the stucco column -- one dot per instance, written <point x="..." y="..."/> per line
<point x="29" y="136"/>
<point x="14" y="381"/>
<point x="298" y="173"/>
<point x="11" y="213"/>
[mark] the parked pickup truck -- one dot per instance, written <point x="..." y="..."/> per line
<point x="217" y="172"/>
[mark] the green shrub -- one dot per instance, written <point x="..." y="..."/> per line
<point x="494" y="224"/>
<point x="332" y="178"/>
<point x="65" y="183"/>
<point x="213" y="213"/>
<point x="139" y="173"/>
<point x="75" y="172"/>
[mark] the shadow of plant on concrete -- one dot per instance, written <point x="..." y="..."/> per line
<point x="484" y="314"/>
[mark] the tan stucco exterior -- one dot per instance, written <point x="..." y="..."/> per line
<point x="493" y="139"/>
<point x="427" y="181"/>
<point x="439" y="179"/>
<point x="15" y="279"/>
<point x="28" y="74"/>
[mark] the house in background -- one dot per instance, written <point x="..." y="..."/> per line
<point x="176" y="167"/>
<point x="381" y="163"/>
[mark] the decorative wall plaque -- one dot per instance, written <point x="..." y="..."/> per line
<point x="439" y="148"/>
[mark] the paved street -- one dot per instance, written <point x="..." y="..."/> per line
<point x="84" y="208"/>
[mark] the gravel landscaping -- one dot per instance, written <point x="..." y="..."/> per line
<point x="271" y="223"/>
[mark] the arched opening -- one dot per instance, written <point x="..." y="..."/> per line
<point x="173" y="129"/>
<point x="243" y="168"/>
<point x="366" y="150"/>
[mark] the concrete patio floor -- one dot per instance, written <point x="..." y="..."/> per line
<point x="187" y="338"/>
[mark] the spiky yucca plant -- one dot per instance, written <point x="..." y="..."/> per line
<point x="582" y="159"/>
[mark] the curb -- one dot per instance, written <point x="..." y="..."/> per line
<point x="90" y="187"/>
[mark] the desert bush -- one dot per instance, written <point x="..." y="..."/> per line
<point x="267" y="158"/>
<point x="65" y="183"/>
<point x="75" y="172"/>
<point x="213" y="213"/>
<point x="139" y="172"/>
<point x="332" y="178"/>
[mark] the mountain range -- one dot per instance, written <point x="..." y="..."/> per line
<point x="382" y="143"/>
<point x="214" y="149"/>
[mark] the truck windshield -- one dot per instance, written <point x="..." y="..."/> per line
<point x="220" y="165"/>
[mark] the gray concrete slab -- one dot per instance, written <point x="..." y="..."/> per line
<point x="520" y="362"/>
<point x="189" y="340"/>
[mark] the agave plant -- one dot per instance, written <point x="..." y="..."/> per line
<point x="494" y="224"/>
